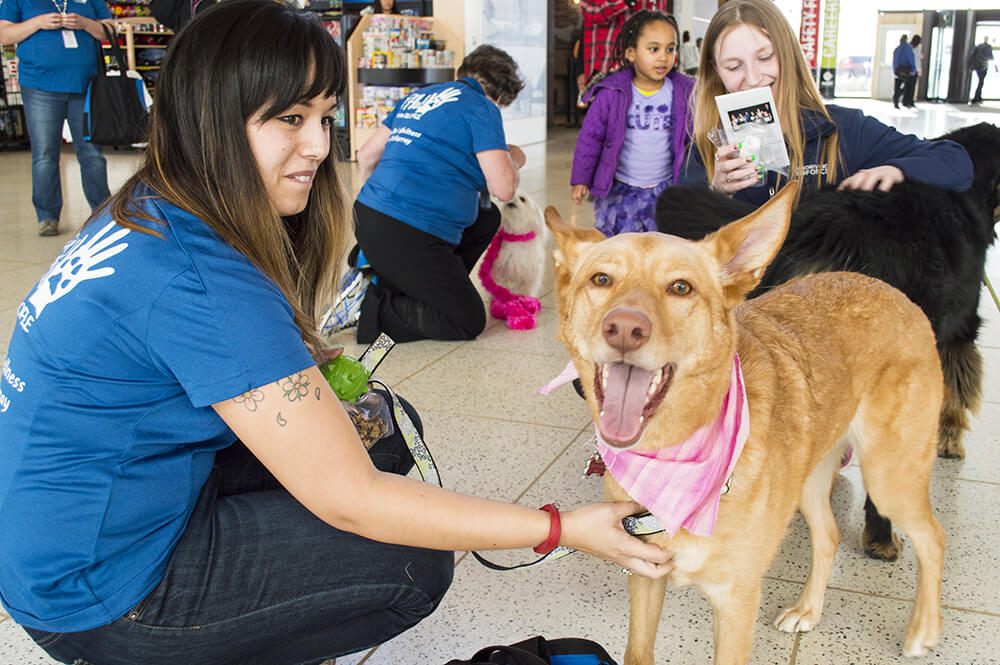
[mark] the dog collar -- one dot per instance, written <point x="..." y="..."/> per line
<point x="681" y="485"/>
<point x="515" y="237"/>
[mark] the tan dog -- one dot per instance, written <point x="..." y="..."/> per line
<point x="822" y="357"/>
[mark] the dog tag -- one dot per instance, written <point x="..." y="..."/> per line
<point x="69" y="39"/>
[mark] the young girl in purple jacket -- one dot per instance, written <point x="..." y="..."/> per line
<point x="636" y="131"/>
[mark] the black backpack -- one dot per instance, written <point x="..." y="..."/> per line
<point x="539" y="651"/>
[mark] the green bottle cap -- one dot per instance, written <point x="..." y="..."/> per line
<point x="346" y="376"/>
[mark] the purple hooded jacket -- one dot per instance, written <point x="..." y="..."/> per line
<point x="602" y="136"/>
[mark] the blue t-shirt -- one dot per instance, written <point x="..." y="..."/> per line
<point x="44" y="62"/>
<point x="428" y="175"/>
<point x="107" y="434"/>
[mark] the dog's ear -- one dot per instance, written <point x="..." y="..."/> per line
<point x="571" y="241"/>
<point x="745" y="247"/>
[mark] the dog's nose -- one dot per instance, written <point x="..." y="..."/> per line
<point x="626" y="329"/>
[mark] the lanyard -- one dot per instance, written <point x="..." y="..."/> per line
<point x="62" y="10"/>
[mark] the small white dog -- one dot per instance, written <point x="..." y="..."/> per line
<point x="514" y="263"/>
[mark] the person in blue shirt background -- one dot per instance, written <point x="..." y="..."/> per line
<point x="904" y="65"/>
<point x="57" y="58"/>
<point x="749" y="44"/>
<point x="423" y="218"/>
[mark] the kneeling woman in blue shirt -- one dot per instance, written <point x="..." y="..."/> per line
<point x="178" y="483"/>
<point x="423" y="217"/>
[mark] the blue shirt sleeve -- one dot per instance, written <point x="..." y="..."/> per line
<point x="486" y="126"/>
<point x="238" y="328"/>
<point x="866" y="143"/>
<point x="10" y="10"/>
<point x="101" y="9"/>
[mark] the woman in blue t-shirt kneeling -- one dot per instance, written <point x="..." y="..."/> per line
<point x="423" y="215"/>
<point x="178" y="483"/>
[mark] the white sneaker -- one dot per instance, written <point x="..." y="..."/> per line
<point x="346" y="308"/>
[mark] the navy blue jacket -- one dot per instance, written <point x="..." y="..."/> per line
<point x="903" y="56"/>
<point x="864" y="143"/>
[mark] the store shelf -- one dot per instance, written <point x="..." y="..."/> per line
<point x="401" y="77"/>
<point x="143" y="26"/>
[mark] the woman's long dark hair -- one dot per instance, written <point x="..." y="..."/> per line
<point x="239" y="60"/>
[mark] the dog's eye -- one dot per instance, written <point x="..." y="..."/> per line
<point x="602" y="279"/>
<point x="680" y="288"/>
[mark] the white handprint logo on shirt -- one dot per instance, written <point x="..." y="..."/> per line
<point x="418" y="104"/>
<point x="76" y="264"/>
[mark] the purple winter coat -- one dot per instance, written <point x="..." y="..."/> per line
<point x="602" y="136"/>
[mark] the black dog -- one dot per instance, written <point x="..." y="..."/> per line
<point x="929" y="243"/>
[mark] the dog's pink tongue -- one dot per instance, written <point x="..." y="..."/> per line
<point x="624" y="400"/>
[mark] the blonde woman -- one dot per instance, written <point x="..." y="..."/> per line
<point x="749" y="44"/>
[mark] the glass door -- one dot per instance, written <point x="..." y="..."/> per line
<point x="991" y="86"/>
<point x="519" y="27"/>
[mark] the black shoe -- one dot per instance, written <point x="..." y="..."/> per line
<point x="895" y="106"/>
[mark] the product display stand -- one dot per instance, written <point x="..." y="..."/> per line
<point x="13" y="130"/>
<point x="143" y="33"/>
<point x="383" y="73"/>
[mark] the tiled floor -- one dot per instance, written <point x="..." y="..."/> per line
<point x="492" y="434"/>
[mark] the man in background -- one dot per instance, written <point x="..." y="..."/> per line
<point x="903" y="66"/>
<point x="979" y="61"/>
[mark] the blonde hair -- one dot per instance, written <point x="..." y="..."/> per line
<point x="793" y="91"/>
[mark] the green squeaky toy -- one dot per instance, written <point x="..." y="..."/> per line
<point x="347" y="376"/>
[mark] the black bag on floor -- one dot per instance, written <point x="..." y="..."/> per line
<point x="539" y="651"/>
<point x="114" y="112"/>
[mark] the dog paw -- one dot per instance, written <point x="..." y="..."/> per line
<point x="881" y="549"/>
<point x="950" y="444"/>
<point x="916" y="646"/>
<point x="797" y="620"/>
<point x="922" y="634"/>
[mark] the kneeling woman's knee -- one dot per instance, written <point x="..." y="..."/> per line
<point x="473" y="323"/>
<point x="428" y="573"/>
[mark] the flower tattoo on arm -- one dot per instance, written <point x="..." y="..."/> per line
<point x="294" y="387"/>
<point x="250" y="399"/>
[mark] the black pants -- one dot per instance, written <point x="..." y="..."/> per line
<point x="256" y="579"/>
<point x="909" y="88"/>
<point x="423" y="289"/>
<point x="981" y="73"/>
<point x="898" y="89"/>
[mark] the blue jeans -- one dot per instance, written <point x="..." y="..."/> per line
<point x="44" y="113"/>
<point x="257" y="579"/>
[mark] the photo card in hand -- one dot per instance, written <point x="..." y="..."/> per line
<point x="750" y="118"/>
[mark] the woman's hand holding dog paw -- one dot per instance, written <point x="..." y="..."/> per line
<point x="580" y="193"/>
<point x="883" y="177"/>
<point x="597" y="529"/>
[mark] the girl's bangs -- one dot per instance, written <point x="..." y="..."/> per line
<point x="307" y="65"/>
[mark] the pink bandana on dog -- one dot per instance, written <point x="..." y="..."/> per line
<point x="681" y="485"/>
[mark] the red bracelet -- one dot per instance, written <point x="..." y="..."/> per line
<point x="555" y="530"/>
